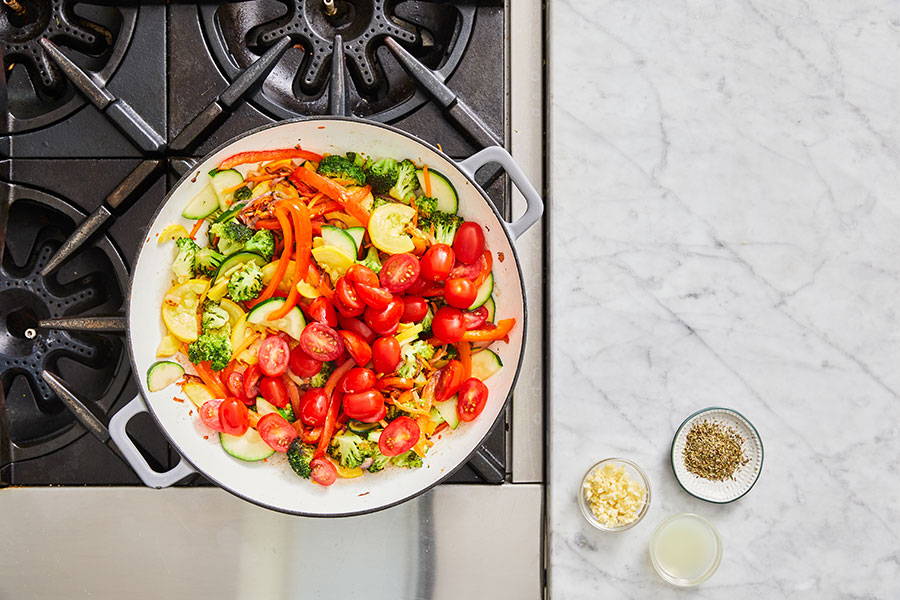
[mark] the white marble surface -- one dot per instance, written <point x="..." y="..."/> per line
<point x="725" y="230"/>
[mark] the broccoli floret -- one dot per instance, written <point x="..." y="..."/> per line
<point x="406" y="182"/>
<point x="445" y="226"/>
<point x="214" y="317"/>
<point x="357" y="159"/>
<point x="262" y="243"/>
<point x="208" y="261"/>
<point x="410" y="353"/>
<point x="245" y="283"/>
<point x="380" y="201"/>
<point x="319" y="379"/>
<point x="408" y="460"/>
<point x="213" y="347"/>
<point x="426" y="206"/>
<point x="379" y="462"/>
<point x="299" y="456"/>
<point x="392" y="413"/>
<point x="232" y="235"/>
<point x="382" y="175"/>
<point x="242" y="193"/>
<point x="347" y="448"/>
<point x="426" y="323"/>
<point x="287" y="412"/>
<point x="340" y="167"/>
<point x="185" y="262"/>
<point x="371" y="260"/>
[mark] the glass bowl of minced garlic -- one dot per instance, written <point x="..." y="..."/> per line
<point x="614" y="494"/>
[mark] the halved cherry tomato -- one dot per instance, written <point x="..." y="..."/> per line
<point x="273" y="356"/>
<point x="234" y="381"/>
<point x="468" y="243"/>
<point x="358" y="327"/>
<point x="414" y="309"/>
<point x="358" y="348"/>
<point x="451" y="377"/>
<point x="386" y="354"/>
<point x="274" y="390"/>
<point x="476" y="271"/>
<point x="362" y="274"/>
<point x="375" y="417"/>
<point x="346" y="294"/>
<point x="357" y="379"/>
<point x="472" y="397"/>
<point x="399" y="436"/>
<point x="448" y="324"/>
<point x="437" y="263"/>
<point x="474" y="319"/>
<point x="361" y="405"/>
<point x="348" y="311"/>
<point x="323" y="472"/>
<point x="302" y="364"/>
<point x="321" y="342"/>
<point x="374" y="297"/>
<point x="313" y="406"/>
<point x="322" y="311"/>
<point x="460" y="292"/>
<point x="385" y="321"/>
<point x="233" y="416"/>
<point x="423" y="287"/>
<point x="209" y="414"/>
<point x="399" y="272"/>
<point x="251" y="378"/>
<point x="276" y="432"/>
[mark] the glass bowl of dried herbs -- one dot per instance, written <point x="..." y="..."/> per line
<point x="717" y="455"/>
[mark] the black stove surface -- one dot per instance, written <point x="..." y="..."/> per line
<point x="60" y="156"/>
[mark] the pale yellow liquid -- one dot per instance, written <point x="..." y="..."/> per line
<point x="685" y="547"/>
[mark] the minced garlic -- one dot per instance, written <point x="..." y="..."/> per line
<point x="615" y="499"/>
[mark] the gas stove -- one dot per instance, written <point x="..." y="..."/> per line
<point x="109" y="103"/>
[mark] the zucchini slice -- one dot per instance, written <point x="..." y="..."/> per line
<point x="162" y="374"/>
<point x="485" y="363"/>
<point x="361" y="428"/>
<point x="291" y="323"/>
<point x="249" y="446"/>
<point x="225" y="180"/>
<point x="197" y="393"/>
<point x="484" y="292"/>
<point x="202" y="205"/>
<point x="491" y="307"/>
<point x="232" y="261"/>
<point x="441" y="190"/>
<point x="357" y="233"/>
<point x="447" y="410"/>
<point x="341" y="239"/>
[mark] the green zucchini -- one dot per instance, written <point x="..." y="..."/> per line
<point x="202" y="205"/>
<point x="232" y="261"/>
<point x="292" y="323"/>
<point x="357" y="233"/>
<point x="162" y="374"/>
<point x="221" y="181"/>
<point x="339" y="238"/>
<point x="361" y="428"/>
<point x="249" y="446"/>
<point x="484" y="292"/>
<point x="491" y="307"/>
<point x="447" y="409"/>
<point x="485" y="363"/>
<point x="441" y="190"/>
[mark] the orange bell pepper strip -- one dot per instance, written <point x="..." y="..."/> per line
<point x="196" y="228"/>
<point x="268" y="224"/>
<point x="242" y="158"/>
<point x="283" y="262"/>
<point x="211" y="379"/>
<point x="400" y="383"/>
<point x="350" y="201"/>
<point x="465" y="357"/>
<point x="302" y="246"/>
<point x="504" y="326"/>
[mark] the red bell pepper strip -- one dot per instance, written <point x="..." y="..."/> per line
<point x="334" y="405"/>
<point x="504" y="326"/>
<point x="302" y="246"/>
<point x="211" y="379"/>
<point x="350" y="201"/>
<point x="283" y="262"/>
<point x="242" y="158"/>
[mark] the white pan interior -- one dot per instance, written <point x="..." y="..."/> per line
<point x="272" y="483"/>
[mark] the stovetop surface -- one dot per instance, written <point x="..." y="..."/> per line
<point x="63" y="156"/>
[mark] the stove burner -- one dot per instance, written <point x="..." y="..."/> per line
<point x="38" y="91"/>
<point x="92" y="281"/>
<point x="436" y="32"/>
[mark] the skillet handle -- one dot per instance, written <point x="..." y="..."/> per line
<point x="151" y="478"/>
<point x="496" y="154"/>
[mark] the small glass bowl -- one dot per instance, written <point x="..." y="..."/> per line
<point x="673" y="578"/>
<point x="633" y="471"/>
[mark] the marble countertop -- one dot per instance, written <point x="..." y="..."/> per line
<point x="724" y="220"/>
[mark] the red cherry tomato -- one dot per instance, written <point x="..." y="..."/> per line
<point x="345" y="292"/>
<point x="414" y="309"/>
<point x="358" y="327"/>
<point x="476" y="271"/>
<point x="448" y="324"/>
<point x="423" y="287"/>
<point x="437" y="262"/>
<point x="274" y="390"/>
<point x="234" y="381"/>
<point x="451" y="377"/>
<point x="322" y="311"/>
<point x="323" y="472"/>
<point x="348" y="311"/>
<point x="276" y="432"/>
<point x="472" y="396"/>
<point x="399" y="436"/>
<point x="386" y="354"/>
<point x="357" y="379"/>
<point x="468" y="243"/>
<point x="375" y="297"/>
<point x="460" y="292"/>
<point x="375" y="417"/>
<point x="313" y="407"/>
<point x="251" y="378"/>
<point x="233" y="416"/>
<point x="385" y="321"/>
<point x="209" y="414"/>
<point x="273" y="356"/>
<point x="361" y="405"/>
<point x="303" y="365"/>
<point x="362" y="274"/>
<point x="399" y="272"/>
<point x="358" y="348"/>
<point x="474" y="319"/>
<point x="321" y="342"/>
